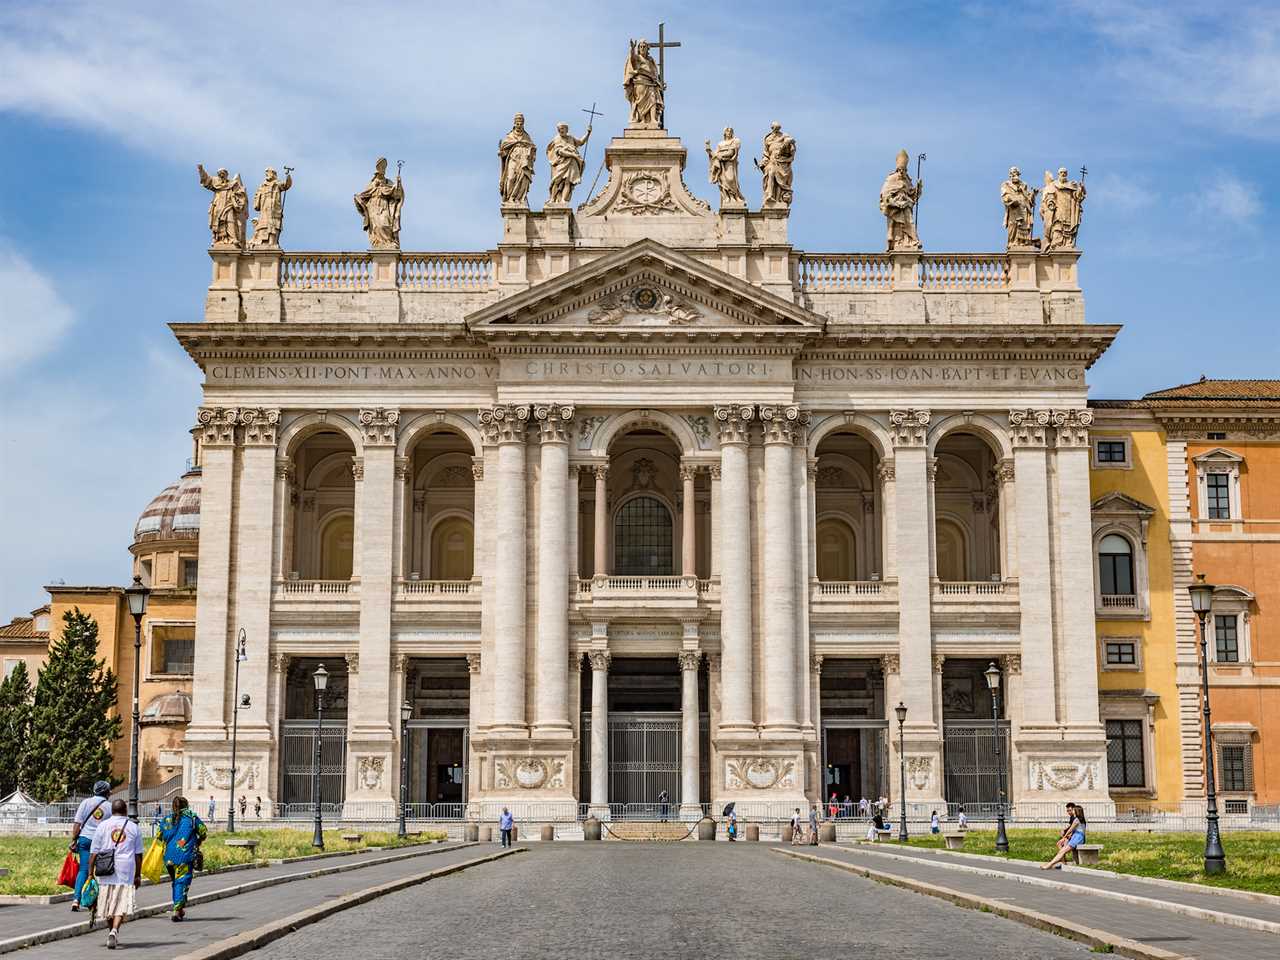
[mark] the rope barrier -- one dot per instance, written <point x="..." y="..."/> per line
<point x="651" y="839"/>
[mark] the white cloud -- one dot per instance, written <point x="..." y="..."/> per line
<point x="1228" y="195"/>
<point x="33" y="318"/>
<point x="1112" y="192"/>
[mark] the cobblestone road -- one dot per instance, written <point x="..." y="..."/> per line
<point x="686" y="901"/>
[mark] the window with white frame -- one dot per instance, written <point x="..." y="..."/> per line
<point x="1226" y="638"/>
<point x="1218" y="484"/>
<point x="1228" y="625"/>
<point x="173" y="649"/>
<point x="1128" y="718"/>
<point x="1115" y="566"/>
<point x="1120" y="526"/>
<point x="1121" y="653"/>
<point x="1112" y="453"/>
<point x="1125" y="764"/>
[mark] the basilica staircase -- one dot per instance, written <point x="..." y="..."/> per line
<point x="647" y="831"/>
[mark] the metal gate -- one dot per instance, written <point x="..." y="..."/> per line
<point x="297" y="761"/>
<point x="420" y="760"/>
<point x="644" y="756"/>
<point x="969" y="761"/>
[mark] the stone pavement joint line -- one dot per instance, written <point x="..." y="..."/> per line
<point x="79" y="928"/>
<point x="253" y="939"/>
<point x="1120" y="946"/>
<point x="1079" y="883"/>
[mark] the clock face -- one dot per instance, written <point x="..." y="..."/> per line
<point x="646" y="190"/>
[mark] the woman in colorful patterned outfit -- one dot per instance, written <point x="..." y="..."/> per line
<point x="182" y="833"/>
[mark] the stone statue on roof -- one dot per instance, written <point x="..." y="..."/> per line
<point x="1019" y="199"/>
<point x="644" y="87"/>
<point x="778" y="154"/>
<point x="379" y="205"/>
<point x="268" y="200"/>
<point x="229" y="208"/>
<point x="1061" y="209"/>
<point x="898" y="198"/>
<point x="516" y="152"/>
<point x="723" y="172"/>
<point x="566" y="163"/>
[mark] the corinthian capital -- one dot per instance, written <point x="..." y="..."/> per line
<point x="781" y="423"/>
<point x="733" y="421"/>
<point x="378" y="426"/>
<point x="909" y="427"/>
<point x="689" y="659"/>
<point x="1029" y="427"/>
<point x="599" y="659"/>
<point x="554" y="420"/>
<point x="1072" y="427"/>
<point x="217" y="426"/>
<point x="260" y="425"/>
<point x="504" y="423"/>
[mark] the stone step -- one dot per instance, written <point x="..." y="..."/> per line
<point x="647" y="830"/>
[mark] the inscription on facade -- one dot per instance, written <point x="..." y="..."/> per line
<point x="942" y="374"/>
<point x="641" y="370"/>
<point x="427" y="373"/>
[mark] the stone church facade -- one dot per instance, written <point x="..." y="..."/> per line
<point x="645" y="499"/>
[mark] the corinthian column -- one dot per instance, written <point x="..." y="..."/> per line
<point x="688" y="516"/>
<point x="600" y="567"/>
<point x="689" y="798"/>
<point x="599" y="729"/>
<point x="779" y="573"/>
<point x="505" y="426"/>
<point x="551" y="702"/>
<point x="734" y="528"/>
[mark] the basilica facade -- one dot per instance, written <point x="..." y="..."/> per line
<point x="645" y="499"/>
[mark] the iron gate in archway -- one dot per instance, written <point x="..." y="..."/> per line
<point x="644" y="756"/>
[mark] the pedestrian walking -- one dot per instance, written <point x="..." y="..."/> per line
<point x="182" y="834"/>
<point x="733" y="825"/>
<point x="813" y="825"/>
<point x="963" y="822"/>
<point x="212" y="816"/>
<point x="93" y="810"/>
<point x="797" y="828"/>
<point x="934" y="825"/>
<point x="257" y="807"/>
<point x="115" y="861"/>
<point x="506" y="823"/>
<point x="1074" y="836"/>
<point x="244" y="805"/>
<point x="664" y="805"/>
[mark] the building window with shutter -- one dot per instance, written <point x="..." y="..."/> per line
<point x="1236" y="767"/>
<point x="1125" y="767"/>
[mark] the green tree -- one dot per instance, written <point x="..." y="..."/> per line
<point x="73" y="719"/>
<point x="15" y="728"/>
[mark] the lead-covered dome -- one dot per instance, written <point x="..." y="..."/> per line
<point x="174" y="514"/>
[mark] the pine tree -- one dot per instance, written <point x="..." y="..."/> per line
<point x="15" y="728"/>
<point x="74" y="719"/>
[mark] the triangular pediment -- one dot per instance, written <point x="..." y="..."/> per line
<point x="1121" y="503"/>
<point x="642" y="287"/>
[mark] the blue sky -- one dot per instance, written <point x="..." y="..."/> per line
<point x="106" y="108"/>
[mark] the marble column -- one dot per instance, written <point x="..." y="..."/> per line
<point x="551" y="703"/>
<point x="1004" y="472"/>
<point x="733" y="524"/>
<point x="913" y="549"/>
<point x="713" y="474"/>
<point x="474" y="691"/>
<point x="599" y="731"/>
<point x="505" y="426"/>
<point x="284" y="518"/>
<point x="601" y="566"/>
<point x="688" y="521"/>
<point x="479" y="519"/>
<point x="779" y="569"/>
<point x="689" y="797"/>
<point x="885" y="474"/>
<point x="402" y="516"/>
<point x="805" y="569"/>
<point x="571" y="512"/>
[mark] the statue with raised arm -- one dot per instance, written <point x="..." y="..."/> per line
<point x="268" y="200"/>
<point x="1019" y="200"/>
<point x="778" y="153"/>
<point x="898" y="197"/>
<point x="644" y="88"/>
<point x="379" y="205"/>
<point x="516" y="152"/>
<point x="723" y="163"/>
<point x="229" y="208"/>
<point x="1061" y="209"/>
<point x="566" y="163"/>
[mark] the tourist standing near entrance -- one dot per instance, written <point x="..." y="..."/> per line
<point x="664" y="805"/>
<point x="813" y="825"/>
<point x="506" y="823"/>
<point x="115" y="860"/>
<point x="91" y="812"/>
<point x="182" y="833"/>
<point x="797" y="828"/>
<point x="934" y="825"/>
<point x="211" y="809"/>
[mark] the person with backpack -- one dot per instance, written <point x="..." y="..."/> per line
<point x="115" y="861"/>
<point x="89" y="815"/>
<point x="182" y="833"/>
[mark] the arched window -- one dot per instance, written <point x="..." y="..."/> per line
<point x="642" y="539"/>
<point x="835" y="551"/>
<point x="451" y="550"/>
<point x="1115" y="566"/>
<point x="337" y="541"/>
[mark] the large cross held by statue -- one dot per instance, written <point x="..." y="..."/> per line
<point x="661" y="47"/>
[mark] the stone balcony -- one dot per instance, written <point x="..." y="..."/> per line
<point x="437" y="596"/>
<point x="327" y="596"/>
<point x="657" y="594"/>
<point x="975" y="601"/>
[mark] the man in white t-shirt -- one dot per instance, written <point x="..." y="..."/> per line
<point x="116" y="901"/>
<point x="91" y="812"/>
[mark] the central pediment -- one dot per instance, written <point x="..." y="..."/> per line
<point x="646" y="286"/>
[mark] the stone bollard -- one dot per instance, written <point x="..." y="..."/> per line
<point x="548" y="832"/>
<point x="827" y="833"/>
<point x="486" y="834"/>
<point x="470" y="832"/>
<point x="515" y="833"/>
<point x="753" y="831"/>
<point x="788" y="833"/>
<point x="706" y="829"/>
<point x="591" y="829"/>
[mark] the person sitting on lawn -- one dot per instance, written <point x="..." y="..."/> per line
<point x="182" y="833"/>
<point x="1074" y="836"/>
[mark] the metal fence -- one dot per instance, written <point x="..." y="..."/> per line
<point x="970" y="762"/>
<point x="297" y="762"/>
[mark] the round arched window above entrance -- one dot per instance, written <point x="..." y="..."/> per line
<point x="642" y="538"/>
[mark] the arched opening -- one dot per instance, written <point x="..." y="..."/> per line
<point x="966" y="509"/>
<point x="439" y="510"/>
<point x="323" y="545"/>
<point x="837" y="551"/>
<point x="1115" y="566"/>
<point x="849" y="537"/>
<point x="642" y="537"/>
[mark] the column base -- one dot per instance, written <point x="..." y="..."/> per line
<point x="690" y="811"/>
<point x="551" y="731"/>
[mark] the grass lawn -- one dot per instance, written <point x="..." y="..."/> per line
<point x="1253" y="857"/>
<point x="33" y="862"/>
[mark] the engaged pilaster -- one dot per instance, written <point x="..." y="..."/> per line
<point x="779" y="427"/>
<point x="551" y="703"/>
<point x="1028" y="430"/>
<point x="735" y="558"/>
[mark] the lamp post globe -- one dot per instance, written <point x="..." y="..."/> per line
<point x="901" y="711"/>
<point x="1215" y="858"/>
<point x="992" y="673"/>
<point x="321" y="680"/>
<point x="406" y="714"/>
<point x="136" y="594"/>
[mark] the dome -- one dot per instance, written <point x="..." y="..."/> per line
<point x="169" y="708"/>
<point x="174" y="514"/>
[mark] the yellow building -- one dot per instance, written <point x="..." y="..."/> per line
<point x="25" y="640"/>
<point x="1134" y="606"/>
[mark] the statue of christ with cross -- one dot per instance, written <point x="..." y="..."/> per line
<point x="645" y="81"/>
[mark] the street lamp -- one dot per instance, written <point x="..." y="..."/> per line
<point x="137" y="595"/>
<point x="1215" y="859"/>
<point x="992" y="673"/>
<point x="901" y="711"/>
<point x="321" y="678"/>
<point x="406" y="711"/>
<point x="241" y="657"/>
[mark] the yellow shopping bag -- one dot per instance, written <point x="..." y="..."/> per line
<point x="153" y="861"/>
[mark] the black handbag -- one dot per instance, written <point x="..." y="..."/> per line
<point x="104" y="861"/>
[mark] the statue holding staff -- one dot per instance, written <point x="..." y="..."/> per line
<point x="566" y="163"/>
<point x="1061" y="209"/>
<point x="379" y="205"/>
<point x="268" y="200"/>
<point x="723" y="168"/>
<point x="898" y="197"/>
<point x="1019" y="200"/>
<point x="229" y="208"/>
<point x="516" y="152"/>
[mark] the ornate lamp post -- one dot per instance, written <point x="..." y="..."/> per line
<point x="137" y="595"/>
<point x="1215" y="858"/>
<point x="406" y="711"/>
<point x="321" y="678"/>
<point x="992" y="673"/>
<point x="241" y="657"/>
<point x="901" y="711"/>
